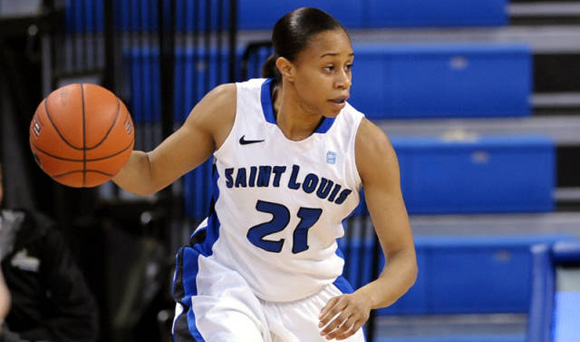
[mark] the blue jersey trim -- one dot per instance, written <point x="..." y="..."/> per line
<point x="214" y="224"/>
<point x="266" y="99"/>
<point x="325" y="125"/>
<point x="268" y="108"/>
<point x="343" y="285"/>
<point x="187" y="265"/>
<point x="341" y="282"/>
<point x="193" y="327"/>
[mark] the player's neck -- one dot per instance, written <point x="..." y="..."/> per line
<point x="295" y="121"/>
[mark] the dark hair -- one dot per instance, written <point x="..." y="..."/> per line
<point x="292" y="33"/>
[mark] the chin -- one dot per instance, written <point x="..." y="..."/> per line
<point x="332" y="113"/>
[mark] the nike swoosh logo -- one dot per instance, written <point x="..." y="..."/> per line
<point x="243" y="141"/>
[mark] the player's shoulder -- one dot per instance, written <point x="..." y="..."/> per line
<point x="223" y="93"/>
<point x="224" y="97"/>
<point x="218" y="102"/>
<point x="253" y="87"/>
<point x="371" y="141"/>
<point x="254" y="83"/>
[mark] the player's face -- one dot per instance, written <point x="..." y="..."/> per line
<point x="323" y="73"/>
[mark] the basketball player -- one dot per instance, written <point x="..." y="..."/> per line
<point x="4" y="300"/>
<point x="290" y="158"/>
<point x="48" y="298"/>
<point x="4" y="293"/>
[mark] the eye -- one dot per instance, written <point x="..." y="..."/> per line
<point x="349" y="66"/>
<point x="329" y="68"/>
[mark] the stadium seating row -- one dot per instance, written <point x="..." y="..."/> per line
<point x="429" y="80"/>
<point x="489" y="174"/>
<point x="381" y="13"/>
<point x="442" y="80"/>
<point x="141" y="15"/>
<point x="390" y="80"/>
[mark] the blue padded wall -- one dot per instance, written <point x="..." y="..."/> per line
<point x="485" y="175"/>
<point x="442" y="80"/>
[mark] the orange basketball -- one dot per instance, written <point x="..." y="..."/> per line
<point x="81" y="135"/>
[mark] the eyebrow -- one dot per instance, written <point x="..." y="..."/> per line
<point x="333" y="54"/>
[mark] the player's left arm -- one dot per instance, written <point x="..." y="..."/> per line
<point x="379" y="170"/>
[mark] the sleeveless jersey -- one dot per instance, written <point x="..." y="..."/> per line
<point x="279" y="204"/>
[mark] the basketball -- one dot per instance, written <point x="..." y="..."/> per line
<point x="81" y="135"/>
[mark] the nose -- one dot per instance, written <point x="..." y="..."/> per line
<point x="343" y="79"/>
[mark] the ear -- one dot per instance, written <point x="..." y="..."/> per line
<point x="286" y="68"/>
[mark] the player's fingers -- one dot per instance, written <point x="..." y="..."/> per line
<point x="330" y="327"/>
<point x="332" y="308"/>
<point x="343" y="326"/>
<point x="327" y="307"/>
<point x="336" y="325"/>
<point x="351" y="331"/>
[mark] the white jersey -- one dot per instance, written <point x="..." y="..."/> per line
<point x="280" y="204"/>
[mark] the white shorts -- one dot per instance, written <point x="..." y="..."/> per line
<point x="225" y="309"/>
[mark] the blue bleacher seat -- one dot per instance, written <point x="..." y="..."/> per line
<point x="416" y="13"/>
<point x="262" y="15"/>
<point x="482" y="274"/>
<point x="442" y="80"/>
<point x="489" y="174"/>
<point x="464" y="274"/>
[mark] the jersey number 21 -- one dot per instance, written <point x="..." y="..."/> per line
<point x="280" y="219"/>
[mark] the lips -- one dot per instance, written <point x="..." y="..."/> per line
<point x="339" y="100"/>
<point x="338" y="104"/>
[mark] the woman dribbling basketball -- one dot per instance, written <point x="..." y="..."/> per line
<point x="290" y="158"/>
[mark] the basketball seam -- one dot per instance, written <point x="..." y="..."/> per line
<point x="84" y="136"/>
<point x="56" y="127"/>
<point x="79" y="160"/>
<point x="77" y="171"/>
<point x="82" y="148"/>
<point x="110" y="128"/>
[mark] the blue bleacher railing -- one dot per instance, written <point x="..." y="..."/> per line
<point x="553" y="307"/>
